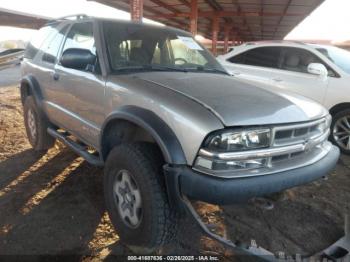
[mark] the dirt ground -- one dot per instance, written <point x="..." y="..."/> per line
<point x="52" y="204"/>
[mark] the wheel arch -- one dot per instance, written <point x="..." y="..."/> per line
<point x="132" y="121"/>
<point x="339" y="107"/>
<point x="30" y="86"/>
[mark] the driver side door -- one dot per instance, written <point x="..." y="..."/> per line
<point x="80" y="93"/>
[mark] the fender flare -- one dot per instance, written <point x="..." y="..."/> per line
<point x="157" y="128"/>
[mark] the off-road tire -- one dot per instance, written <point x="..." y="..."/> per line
<point x="158" y="225"/>
<point x="42" y="141"/>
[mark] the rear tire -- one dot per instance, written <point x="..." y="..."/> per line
<point x="340" y="131"/>
<point x="136" y="197"/>
<point x="36" y="125"/>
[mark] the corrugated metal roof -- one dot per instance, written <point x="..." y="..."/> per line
<point x="249" y="19"/>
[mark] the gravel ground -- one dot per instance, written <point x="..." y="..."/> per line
<point x="52" y="204"/>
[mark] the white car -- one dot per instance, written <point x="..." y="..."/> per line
<point x="319" y="72"/>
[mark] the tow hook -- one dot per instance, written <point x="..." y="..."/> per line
<point x="339" y="251"/>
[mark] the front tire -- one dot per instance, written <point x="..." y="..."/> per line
<point x="340" y="131"/>
<point x="136" y="197"/>
<point x="36" y="125"/>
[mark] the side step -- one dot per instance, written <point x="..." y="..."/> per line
<point x="77" y="148"/>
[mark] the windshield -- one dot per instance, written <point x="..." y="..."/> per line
<point x="338" y="56"/>
<point x="140" y="47"/>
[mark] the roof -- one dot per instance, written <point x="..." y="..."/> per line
<point x="250" y="19"/>
<point x="20" y="19"/>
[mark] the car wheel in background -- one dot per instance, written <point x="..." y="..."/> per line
<point x="340" y="131"/>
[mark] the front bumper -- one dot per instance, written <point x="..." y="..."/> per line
<point x="223" y="191"/>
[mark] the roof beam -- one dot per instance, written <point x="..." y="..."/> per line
<point x="245" y="23"/>
<point x="164" y="5"/>
<point x="227" y="14"/>
<point x="284" y="14"/>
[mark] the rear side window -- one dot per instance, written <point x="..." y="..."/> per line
<point x="37" y="41"/>
<point x="51" y="49"/>
<point x="261" y="56"/>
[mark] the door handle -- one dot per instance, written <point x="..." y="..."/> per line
<point x="277" y="79"/>
<point x="236" y="73"/>
<point x="55" y="76"/>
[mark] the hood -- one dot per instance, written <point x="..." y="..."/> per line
<point x="236" y="102"/>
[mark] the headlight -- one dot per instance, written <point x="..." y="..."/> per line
<point x="326" y="124"/>
<point x="226" y="141"/>
<point x="238" y="140"/>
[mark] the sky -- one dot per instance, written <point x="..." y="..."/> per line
<point x="330" y="21"/>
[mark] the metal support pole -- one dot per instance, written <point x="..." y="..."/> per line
<point x="136" y="10"/>
<point x="227" y="32"/>
<point x="194" y="17"/>
<point x="233" y="40"/>
<point x="215" y="35"/>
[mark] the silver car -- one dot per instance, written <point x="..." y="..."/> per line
<point x="166" y="121"/>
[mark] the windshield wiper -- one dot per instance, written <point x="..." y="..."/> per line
<point x="211" y="69"/>
<point x="164" y="68"/>
<point x="150" y="68"/>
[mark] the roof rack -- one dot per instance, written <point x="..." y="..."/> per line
<point x="67" y="17"/>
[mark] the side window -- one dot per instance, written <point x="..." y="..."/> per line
<point x="37" y="41"/>
<point x="297" y="60"/>
<point x="261" y="56"/>
<point x="80" y="36"/>
<point x="51" y="49"/>
<point x="238" y="59"/>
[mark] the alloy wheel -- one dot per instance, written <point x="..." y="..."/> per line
<point x="127" y="198"/>
<point x="31" y="123"/>
<point x="341" y="132"/>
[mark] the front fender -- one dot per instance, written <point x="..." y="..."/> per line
<point x="155" y="126"/>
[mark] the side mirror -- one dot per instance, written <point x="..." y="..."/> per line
<point x="77" y="58"/>
<point x="317" y="69"/>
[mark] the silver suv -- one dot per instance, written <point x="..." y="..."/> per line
<point x="166" y="121"/>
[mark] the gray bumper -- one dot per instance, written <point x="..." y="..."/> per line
<point x="221" y="191"/>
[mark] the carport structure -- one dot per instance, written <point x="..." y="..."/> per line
<point x="20" y="19"/>
<point x="230" y="21"/>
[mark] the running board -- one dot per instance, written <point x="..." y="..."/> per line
<point x="339" y="251"/>
<point x="77" y="148"/>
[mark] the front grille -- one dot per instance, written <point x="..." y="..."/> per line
<point x="289" y="135"/>
<point x="297" y="134"/>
